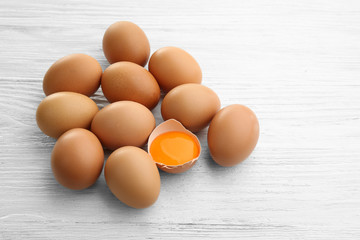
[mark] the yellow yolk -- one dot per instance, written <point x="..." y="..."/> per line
<point x="173" y="148"/>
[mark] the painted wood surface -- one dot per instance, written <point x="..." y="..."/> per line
<point x="295" y="63"/>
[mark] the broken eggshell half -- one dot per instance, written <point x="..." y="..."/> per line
<point x="172" y="125"/>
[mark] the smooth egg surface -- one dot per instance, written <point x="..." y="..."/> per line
<point x="79" y="73"/>
<point x="77" y="159"/>
<point x="129" y="81"/>
<point x="63" y="111"/>
<point x="123" y="123"/>
<point x="132" y="176"/>
<point x="232" y="135"/>
<point x="126" y="41"/>
<point x="194" y="105"/>
<point x="172" y="66"/>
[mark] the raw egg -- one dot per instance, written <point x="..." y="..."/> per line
<point x="79" y="73"/>
<point x="77" y="159"/>
<point x="129" y="81"/>
<point x="172" y="66"/>
<point x="194" y="105"/>
<point x="126" y="41"/>
<point x="63" y="111"/>
<point x="123" y="123"/>
<point x="232" y="135"/>
<point x="133" y="177"/>
<point x="173" y="148"/>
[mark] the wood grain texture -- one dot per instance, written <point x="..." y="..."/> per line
<point x="295" y="63"/>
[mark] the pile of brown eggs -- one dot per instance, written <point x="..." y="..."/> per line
<point x="127" y="123"/>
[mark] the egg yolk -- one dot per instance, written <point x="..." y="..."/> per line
<point x="174" y="148"/>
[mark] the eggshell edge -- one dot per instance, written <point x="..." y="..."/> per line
<point x="167" y="126"/>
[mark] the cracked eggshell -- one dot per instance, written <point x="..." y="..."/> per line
<point x="170" y="126"/>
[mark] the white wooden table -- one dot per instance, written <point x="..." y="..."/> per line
<point x="295" y="63"/>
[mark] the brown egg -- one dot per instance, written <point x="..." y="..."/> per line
<point x="172" y="66"/>
<point x="123" y="123"/>
<point x="126" y="41"/>
<point x="73" y="73"/>
<point x="77" y="159"/>
<point x="63" y="111"/>
<point x="194" y="105"/>
<point x="232" y="135"/>
<point x="133" y="177"/>
<point x="129" y="81"/>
